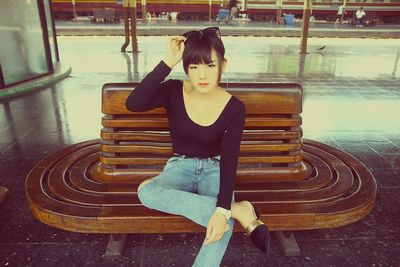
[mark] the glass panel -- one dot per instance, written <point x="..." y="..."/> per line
<point x="22" y="53"/>
<point x="52" y="40"/>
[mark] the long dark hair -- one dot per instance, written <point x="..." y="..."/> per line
<point x="198" y="51"/>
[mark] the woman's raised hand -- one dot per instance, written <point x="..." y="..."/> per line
<point x="175" y="47"/>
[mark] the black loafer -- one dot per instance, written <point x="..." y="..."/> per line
<point x="259" y="233"/>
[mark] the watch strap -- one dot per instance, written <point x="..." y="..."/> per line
<point x="225" y="212"/>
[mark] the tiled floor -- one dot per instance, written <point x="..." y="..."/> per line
<point x="351" y="101"/>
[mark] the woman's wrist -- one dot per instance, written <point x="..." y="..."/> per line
<point x="169" y="63"/>
<point x="224" y="212"/>
<point x="220" y="216"/>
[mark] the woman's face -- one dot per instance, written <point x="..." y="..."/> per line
<point x="204" y="77"/>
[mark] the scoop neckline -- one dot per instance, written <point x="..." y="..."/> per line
<point x="191" y="120"/>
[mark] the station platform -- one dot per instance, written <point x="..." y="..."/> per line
<point x="351" y="101"/>
<point x="238" y="27"/>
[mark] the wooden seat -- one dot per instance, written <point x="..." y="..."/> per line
<point x="298" y="184"/>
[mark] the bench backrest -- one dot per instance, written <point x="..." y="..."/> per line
<point x="135" y="144"/>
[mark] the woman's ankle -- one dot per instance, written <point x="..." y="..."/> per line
<point x="243" y="212"/>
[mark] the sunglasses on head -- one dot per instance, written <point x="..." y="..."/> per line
<point x="211" y="32"/>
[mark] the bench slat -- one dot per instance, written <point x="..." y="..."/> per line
<point x="276" y="99"/>
<point x="254" y="174"/>
<point x="157" y="161"/>
<point x="162" y="122"/>
<point x="84" y="181"/>
<point x="159" y="137"/>
<point x="260" y="135"/>
<point x="162" y="150"/>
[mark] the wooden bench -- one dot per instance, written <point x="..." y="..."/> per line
<point x="298" y="184"/>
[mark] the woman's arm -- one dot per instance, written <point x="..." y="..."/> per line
<point x="229" y="158"/>
<point x="228" y="167"/>
<point x="150" y="93"/>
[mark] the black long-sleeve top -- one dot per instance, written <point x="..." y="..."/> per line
<point x="189" y="138"/>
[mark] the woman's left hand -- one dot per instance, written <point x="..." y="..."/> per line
<point x="216" y="228"/>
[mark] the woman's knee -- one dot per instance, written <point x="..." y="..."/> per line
<point x="142" y="193"/>
<point x="142" y="184"/>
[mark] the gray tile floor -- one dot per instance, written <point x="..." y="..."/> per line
<point x="351" y="101"/>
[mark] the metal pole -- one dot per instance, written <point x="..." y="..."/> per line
<point x="74" y="10"/>
<point x="305" y="26"/>
<point x="126" y="25"/>
<point x="209" y="10"/>
<point x="279" y="4"/>
<point x="144" y="11"/>
<point x="133" y="26"/>
<point x="344" y="8"/>
<point x="302" y="62"/>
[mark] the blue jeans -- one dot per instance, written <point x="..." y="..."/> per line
<point x="189" y="187"/>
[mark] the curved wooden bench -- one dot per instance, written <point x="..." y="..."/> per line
<point x="297" y="184"/>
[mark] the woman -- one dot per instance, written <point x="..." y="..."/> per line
<point x="206" y="124"/>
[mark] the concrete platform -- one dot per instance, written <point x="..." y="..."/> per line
<point x="234" y="28"/>
<point x="351" y="101"/>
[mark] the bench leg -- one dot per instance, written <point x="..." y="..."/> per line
<point x="3" y="193"/>
<point x="115" y="246"/>
<point x="288" y="243"/>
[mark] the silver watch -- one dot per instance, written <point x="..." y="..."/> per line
<point x="225" y="212"/>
